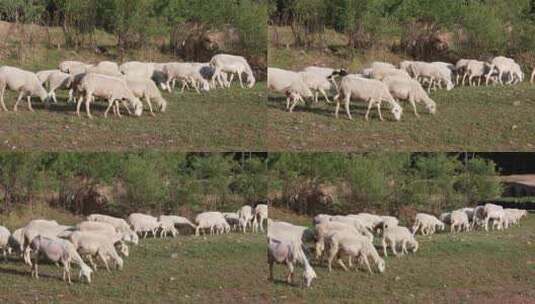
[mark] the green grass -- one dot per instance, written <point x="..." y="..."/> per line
<point x="472" y="119"/>
<point x="220" y="120"/>
<point x="475" y="267"/>
<point x="219" y="269"/>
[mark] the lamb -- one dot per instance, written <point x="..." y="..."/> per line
<point x="317" y="83"/>
<point x="91" y="244"/>
<point x="326" y="228"/>
<point x="427" y="224"/>
<point x="5" y="235"/>
<point x="246" y="215"/>
<point x="186" y="72"/>
<point x="70" y="66"/>
<point x="209" y="220"/>
<point x="110" y="88"/>
<point x="59" y="80"/>
<point x="459" y="221"/>
<point x="232" y="219"/>
<point x="143" y="224"/>
<point x="289" y="252"/>
<point x="411" y="91"/>
<point x="370" y="90"/>
<point x="392" y="236"/>
<point x="435" y="73"/>
<point x="58" y="250"/>
<point x="260" y="215"/>
<point x="289" y="83"/>
<point x="145" y="88"/>
<point x="346" y="243"/>
<point x="25" y="83"/>
<point x="233" y="65"/>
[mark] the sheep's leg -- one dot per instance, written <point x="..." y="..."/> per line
<point x="325" y="95"/>
<point x="316" y="96"/>
<point x="290" y="272"/>
<point x="379" y="110"/>
<point x="35" y="271"/>
<point x="87" y="102"/>
<point x="104" y="260"/>
<point x="110" y="104"/>
<point x="404" y="247"/>
<point x="91" y="262"/>
<point x="214" y="76"/>
<point x="241" y="80"/>
<point x="393" y="245"/>
<point x="150" y="105"/>
<point x="348" y="112"/>
<point x="341" y="263"/>
<point x="71" y="91"/>
<point x="3" y="90"/>
<point x="370" y="105"/>
<point x="21" y="94"/>
<point x="295" y="101"/>
<point x="79" y="104"/>
<point x="366" y="262"/>
<point x="54" y="97"/>
<point x="337" y="99"/>
<point x="29" y="99"/>
<point x="383" y="243"/>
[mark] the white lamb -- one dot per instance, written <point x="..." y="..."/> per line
<point x="111" y="88"/>
<point x="146" y="88"/>
<point x="477" y="69"/>
<point x="58" y="250"/>
<point x="427" y="224"/>
<point x="503" y="66"/>
<point x="459" y="221"/>
<point x="233" y="65"/>
<point x="209" y="220"/>
<point x="370" y="90"/>
<point x="411" y="91"/>
<point x="436" y="74"/>
<point x="496" y="214"/>
<point x="25" y="83"/>
<point x="398" y="235"/>
<point x="326" y="228"/>
<point x="345" y="243"/>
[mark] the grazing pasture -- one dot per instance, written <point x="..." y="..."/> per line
<point x="468" y="267"/>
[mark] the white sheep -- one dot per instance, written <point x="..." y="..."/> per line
<point x="394" y="235"/>
<point x="382" y="65"/>
<point x="209" y="220"/>
<point x="459" y="221"/>
<point x="138" y="69"/>
<point x="411" y="91"/>
<point x="90" y="244"/>
<point x="321" y="218"/>
<point x="287" y="231"/>
<point x="324" y="229"/>
<point x="25" y="83"/>
<point x="233" y="65"/>
<point x="427" y="224"/>
<point x="355" y="223"/>
<point x="111" y="88"/>
<point x="496" y="214"/>
<point x="477" y="69"/>
<point x="176" y="220"/>
<point x="185" y="72"/>
<point x="58" y="250"/>
<point x="59" y="80"/>
<point x="167" y="227"/>
<point x="5" y="235"/>
<point x="317" y="83"/>
<point x="503" y="66"/>
<point x="328" y="73"/>
<point x="346" y="243"/>
<point x="289" y="252"/>
<point x="120" y="225"/>
<point x="107" y="230"/>
<point x="70" y="66"/>
<point x="146" y="88"/>
<point x="246" y="214"/>
<point x="50" y="229"/>
<point x="436" y="74"/>
<point x="105" y="68"/>
<point x="260" y="216"/>
<point x="43" y="75"/>
<point x="460" y="70"/>
<point x="289" y="83"/>
<point x="143" y="224"/>
<point x="382" y="73"/>
<point x="232" y="219"/>
<point x="370" y="90"/>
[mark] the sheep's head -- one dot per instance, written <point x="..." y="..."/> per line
<point x="414" y="246"/>
<point x="119" y="262"/>
<point x="123" y="248"/>
<point x="85" y="272"/>
<point x="397" y="111"/>
<point x="251" y="81"/>
<point x="205" y="85"/>
<point x="381" y="265"/>
<point x="308" y="275"/>
<point x="138" y="107"/>
<point x="449" y="86"/>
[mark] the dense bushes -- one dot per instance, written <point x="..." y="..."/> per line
<point x="476" y="28"/>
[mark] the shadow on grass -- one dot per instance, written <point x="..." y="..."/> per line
<point x="321" y="108"/>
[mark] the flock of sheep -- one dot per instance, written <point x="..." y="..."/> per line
<point x="126" y="84"/>
<point x="353" y="236"/>
<point x="105" y="237"/>
<point x="384" y="82"/>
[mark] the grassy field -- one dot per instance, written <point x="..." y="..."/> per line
<point x="475" y="267"/>
<point x="220" y="269"/>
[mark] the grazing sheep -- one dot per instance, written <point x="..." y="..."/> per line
<point x="111" y="88"/>
<point x="59" y="80"/>
<point x="260" y="215"/>
<point x="496" y="214"/>
<point x="289" y="83"/>
<point x="459" y="221"/>
<point x="436" y="74"/>
<point x="176" y="220"/>
<point x="370" y="90"/>
<point x="167" y="227"/>
<point x="107" y="230"/>
<point x="209" y="220"/>
<point x="5" y="235"/>
<point x="411" y="91"/>
<point x="145" y="88"/>
<point x="143" y="224"/>
<point x="317" y="83"/>
<point x="324" y="229"/>
<point x="394" y="235"/>
<point x="58" y="250"/>
<point x="476" y="69"/>
<point x="289" y="252"/>
<point x="355" y="223"/>
<point x="185" y="72"/>
<point x="347" y="243"/>
<point x="427" y="224"/>
<point x="503" y="66"/>
<point x="513" y="216"/>
<point x="50" y="229"/>
<point x="287" y="231"/>
<point x="460" y="70"/>
<point x="43" y="75"/>
<point x="233" y="219"/>
<point x="25" y="83"/>
<point x="90" y="244"/>
<point x="233" y="65"/>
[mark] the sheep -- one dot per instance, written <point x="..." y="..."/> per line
<point x="434" y="73"/>
<point x="478" y="217"/>
<point x="43" y="75"/>
<point x="427" y="224"/>
<point x="108" y="68"/>
<point x="346" y="243"/>
<point x="289" y="83"/>
<point x="58" y="250"/>
<point x="90" y="244"/>
<point x="325" y="228"/>
<point x="118" y="223"/>
<point x="59" y="80"/>
<point x="328" y="73"/>
<point x="476" y="69"/>
<point x="143" y="224"/>
<point x="110" y="88"/>
<point x="49" y="229"/>
<point x="513" y="216"/>
<point x="16" y="240"/>
<point x="176" y="220"/>
<point x="233" y="65"/>
<point x="245" y="213"/>
<point x="284" y="230"/>
<point x="394" y="235"/>
<point x="70" y="66"/>
<point x="459" y="221"/>
<point x="370" y="90"/>
<point x="233" y="219"/>
<point x="108" y="230"/>
<point x="25" y="83"/>
<point x="5" y="235"/>
<point x="209" y="220"/>
<point x="355" y="223"/>
<point x="145" y="88"/>
<point x="289" y="252"/>
<point x="406" y="66"/>
<point x="411" y="91"/>
<point x="167" y="227"/>
<point x="496" y="214"/>
<point x="137" y="69"/>
<point x="186" y="72"/>
<point x="502" y="65"/>
<point x="317" y="83"/>
<point x="260" y="215"/>
<point x="460" y="70"/>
